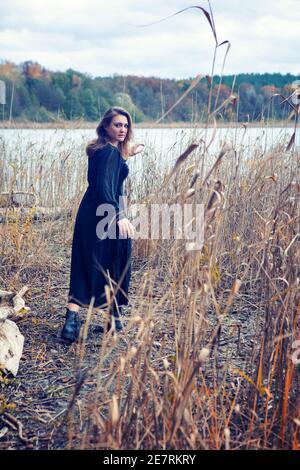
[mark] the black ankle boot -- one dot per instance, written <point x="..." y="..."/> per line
<point x="71" y="328"/>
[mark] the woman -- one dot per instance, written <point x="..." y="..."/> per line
<point x="101" y="248"/>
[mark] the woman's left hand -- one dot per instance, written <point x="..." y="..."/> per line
<point x="136" y="148"/>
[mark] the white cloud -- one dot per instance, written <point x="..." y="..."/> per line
<point x="101" y="37"/>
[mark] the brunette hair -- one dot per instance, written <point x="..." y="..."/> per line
<point x="102" y="138"/>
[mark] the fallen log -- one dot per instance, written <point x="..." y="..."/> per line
<point x="17" y="199"/>
<point x="38" y="213"/>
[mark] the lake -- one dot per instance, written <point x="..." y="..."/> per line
<point x="36" y="155"/>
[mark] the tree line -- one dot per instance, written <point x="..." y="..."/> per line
<point x="34" y="93"/>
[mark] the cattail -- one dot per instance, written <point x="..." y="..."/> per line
<point x="194" y="179"/>
<point x="190" y="192"/>
<point x="215" y="197"/>
<point x="184" y="156"/>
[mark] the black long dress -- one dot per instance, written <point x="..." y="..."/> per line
<point x="94" y="258"/>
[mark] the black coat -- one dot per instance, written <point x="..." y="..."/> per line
<point x="94" y="255"/>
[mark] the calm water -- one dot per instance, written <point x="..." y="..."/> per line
<point x="37" y="154"/>
<point x="162" y="141"/>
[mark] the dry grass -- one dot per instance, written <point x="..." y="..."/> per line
<point x="205" y="358"/>
<point x="206" y="352"/>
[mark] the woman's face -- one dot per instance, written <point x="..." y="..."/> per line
<point x="118" y="128"/>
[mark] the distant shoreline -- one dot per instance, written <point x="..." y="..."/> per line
<point x="140" y="125"/>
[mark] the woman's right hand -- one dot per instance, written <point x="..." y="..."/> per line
<point x="126" y="228"/>
<point x="135" y="149"/>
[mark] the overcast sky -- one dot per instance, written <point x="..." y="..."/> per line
<point x="102" y="37"/>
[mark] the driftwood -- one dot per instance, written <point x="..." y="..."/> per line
<point x="12" y="304"/>
<point x="17" y="199"/>
<point x="11" y="347"/>
<point x="36" y="213"/>
<point x="23" y="204"/>
<point x="11" y="340"/>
